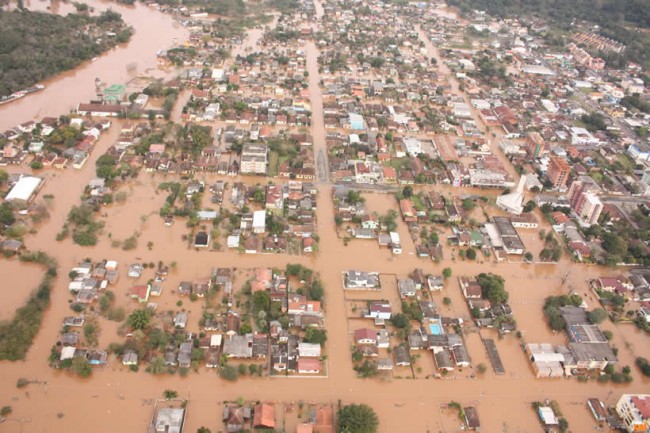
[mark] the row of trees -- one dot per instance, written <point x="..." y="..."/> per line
<point x="16" y="335"/>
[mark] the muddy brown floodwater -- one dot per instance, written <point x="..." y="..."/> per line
<point x="153" y="31"/>
<point x="116" y="399"/>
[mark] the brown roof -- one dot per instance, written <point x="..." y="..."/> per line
<point x="264" y="415"/>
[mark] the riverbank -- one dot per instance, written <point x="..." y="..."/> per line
<point x="153" y="31"/>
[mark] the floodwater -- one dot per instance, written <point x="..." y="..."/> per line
<point x="15" y="294"/>
<point x="115" y="398"/>
<point x="153" y="31"/>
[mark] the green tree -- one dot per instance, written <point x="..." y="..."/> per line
<point x="5" y="411"/>
<point x="139" y="319"/>
<point x="644" y="365"/>
<point x="156" y="365"/>
<point x="203" y="430"/>
<point x="468" y="204"/>
<point x="400" y="320"/>
<point x="471" y="253"/>
<point x="316" y="290"/>
<point x="261" y="301"/>
<point x="316" y="336"/>
<point x="229" y="373"/>
<point x="170" y="394"/>
<point x="7" y="214"/>
<point x="493" y="287"/>
<point x="81" y="366"/>
<point x="596" y="316"/>
<point x="354" y="197"/>
<point x="446" y="273"/>
<point x="407" y="192"/>
<point x="357" y="418"/>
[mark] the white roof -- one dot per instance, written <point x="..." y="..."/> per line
<point x="215" y="340"/>
<point x="67" y="352"/>
<point x="547" y="415"/>
<point x="259" y="218"/>
<point x="24" y="188"/>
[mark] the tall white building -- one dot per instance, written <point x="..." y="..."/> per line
<point x="253" y="159"/>
<point x="634" y="410"/>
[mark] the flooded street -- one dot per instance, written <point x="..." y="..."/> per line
<point x="116" y="399"/>
<point x="153" y="31"/>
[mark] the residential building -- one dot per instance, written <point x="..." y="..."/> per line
<point x="254" y="159"/>
<point x="634" y="410"/>
<point x="259" y="221"/>
<point x="591" y="209"/>
<point x="558" y="172"/>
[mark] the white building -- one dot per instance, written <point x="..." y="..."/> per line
<point x="634" y="410"/>
<point x="413" y="146"/>
<point x="549" y="106"/>
<point x="254" y="159"/>
<point x="513" y="202"/>
<point x="480" y="104"/>
<point x="259" y="221"/>
<point x="25" y="188"/>
<point x="580" y="136"/>
<point x="395" y="243"/>
<point x="633" y="85"/>
<point x="309" y="350"/>
<point x="591" y="208"/>
<point x="462" y="109"/>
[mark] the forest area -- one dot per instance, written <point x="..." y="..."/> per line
<point x="36" y="45"/>
<point x="619" y="19"/>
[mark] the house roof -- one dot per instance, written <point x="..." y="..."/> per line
<point x="642" y="404"/>
<point x="264" y="415"/>
<point x="141" y="292"/>
<point x="365" y="334"/>
<point x="309" y="364"/>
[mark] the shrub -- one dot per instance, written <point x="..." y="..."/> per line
<point x="229" y="372"/>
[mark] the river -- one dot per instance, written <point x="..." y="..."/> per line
<point x="153" y="31"/>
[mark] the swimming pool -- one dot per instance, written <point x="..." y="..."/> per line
<point x="435" y="329"/>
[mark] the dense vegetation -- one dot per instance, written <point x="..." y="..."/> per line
<point x="37" y="45"/>
<point x="16" y="335"/>
<point x="614" y="17"/>
<point x="357" y="418"/>
<point x="552" y="309"/>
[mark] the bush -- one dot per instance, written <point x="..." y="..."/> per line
<point x="596" y="316"/>
<point x="170" y="394"/>
<point x="229" y="372"/>
<point x="316" y="336"/>
<point x="130" y="243"/>
<point x="400" y="320"/>
<point x="81" y="366"/>
<point x="644" y="366"/>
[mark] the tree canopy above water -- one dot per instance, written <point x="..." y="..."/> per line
<point x="37" y="45"/>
